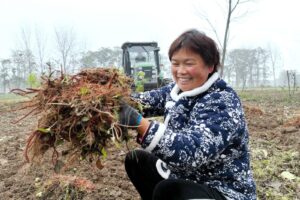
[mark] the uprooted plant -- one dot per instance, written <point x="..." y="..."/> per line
<point x="78" y="112"/>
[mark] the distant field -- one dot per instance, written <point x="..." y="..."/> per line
<point x="11" y="98"/>
<point x="273" y="117"/>
<point x="266" y="95"/>
<point x="256" y="95"/>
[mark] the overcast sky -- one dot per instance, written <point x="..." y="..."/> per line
<point x="109" y="23"/>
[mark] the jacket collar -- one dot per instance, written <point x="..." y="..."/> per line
<point x="174" y="92"/>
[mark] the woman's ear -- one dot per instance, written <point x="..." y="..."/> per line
<point x="211" y="69"/>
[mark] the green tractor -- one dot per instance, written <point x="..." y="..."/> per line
<point x="141" y="62"/>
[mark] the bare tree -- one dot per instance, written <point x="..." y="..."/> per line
<point x="275" y="60"/>
<point x="27" y="50"/>
<point x="291" y="79"/>
<point x="262" y="67"/>
<point x="230" y="9"/>
<point x="265" y="69"/>
<point x="240" y="60"/>
<point x="65" y="41"/>
<point x="40" y="44"/>
<point x="105" y="57"/>
<point x="228" y="73"/>
<point x="18" y="57"/>
<point x="249" y="66"/>
<point x="4" y="75"/>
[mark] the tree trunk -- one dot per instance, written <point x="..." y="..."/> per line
<point x="225" y="38"/>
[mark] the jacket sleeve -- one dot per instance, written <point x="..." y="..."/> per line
<point x="214" y="124"/>
<point x="153" y="101"/>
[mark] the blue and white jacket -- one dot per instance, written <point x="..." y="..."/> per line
<point x="204" y="137"/>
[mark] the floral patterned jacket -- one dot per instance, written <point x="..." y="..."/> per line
<point x="204" y="137"/>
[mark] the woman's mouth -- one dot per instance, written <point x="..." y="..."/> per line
<point x="183" y="80"/>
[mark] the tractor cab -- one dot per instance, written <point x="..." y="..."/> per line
<point x="140" y="61"/>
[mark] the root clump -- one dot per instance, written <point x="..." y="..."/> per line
<point x="78" y="113"/>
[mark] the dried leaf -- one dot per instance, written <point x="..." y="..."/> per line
<point x="90" y="138"/>
<point x="288" y="175"/>
<point x="99" y="164"/>
<point x="58" y="166"/>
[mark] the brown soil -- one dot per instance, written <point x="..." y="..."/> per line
<point x="21" y="180"/>
<point x="270" y="126"/>
<point x="279" y="124"/>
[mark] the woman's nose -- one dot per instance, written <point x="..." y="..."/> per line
<point x="181" y="69"/>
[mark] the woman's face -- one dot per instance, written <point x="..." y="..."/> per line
<point x="189" y="70"/>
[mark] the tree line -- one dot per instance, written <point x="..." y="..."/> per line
<point x="243" y="67"/>
<point x="33" y="57"/>
<point x="257" y="67"/>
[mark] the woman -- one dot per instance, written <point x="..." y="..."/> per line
<point x="201" y="149"/>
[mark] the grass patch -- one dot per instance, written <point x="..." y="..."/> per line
<point x="270" y="95"/>
<point x="270" y="166"/>
<point x="275" y="155"/>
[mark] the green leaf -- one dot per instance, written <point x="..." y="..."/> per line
<point x="39" y="194"/>
<point x="117" y="144"/>
<point x="85" y="119"/>
<point x="116" y="113"/>
<point x="59" y="142"/>
<point x="44" y="130"/>
<point x="66" y="80"/>
<point x="84" y="90"/>
<point x="117" y="96"/>
<point x="104" y="153"/>
<point x="32" y="80"/>
<point x="80" y="135"/>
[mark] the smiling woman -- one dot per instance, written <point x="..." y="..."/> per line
<point x="189" y="70"/>
<point x="194" y="58"/>
<point x="201" y="149"/>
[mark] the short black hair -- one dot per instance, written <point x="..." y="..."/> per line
<point x="199" y="43"/>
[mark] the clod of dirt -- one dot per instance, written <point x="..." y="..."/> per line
<point x="253" y="110"/>
<point x="293" y="122"/>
